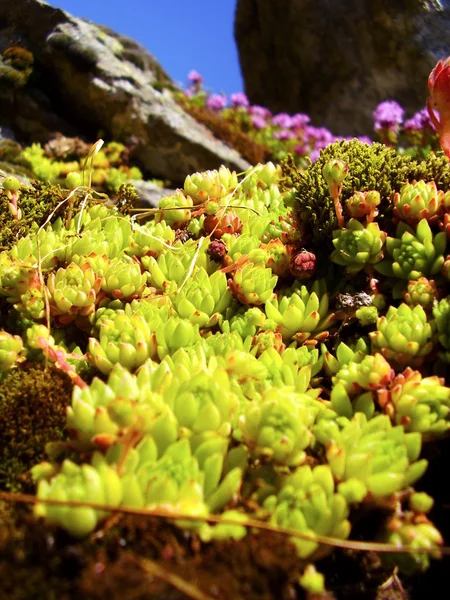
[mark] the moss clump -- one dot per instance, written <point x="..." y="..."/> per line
<point x="36" y="204"/>
<point x="370" y="167"/>
<point x="33" y="404"/>
<point x="250" y="149"/>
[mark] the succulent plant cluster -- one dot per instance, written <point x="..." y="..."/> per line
<point x="237" y="367"/>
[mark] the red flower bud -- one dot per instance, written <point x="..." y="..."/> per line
<point x="439" y="86"/>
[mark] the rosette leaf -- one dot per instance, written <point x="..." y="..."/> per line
<point x="301" y="315"/>
<point x="370" y="456"/>
<point x="150" y="239"/>
<point x="169" y="270"/>
<point x="441" y="313"/>
<point x="412" y="531"/>
<point x="357" y="246"/>
<point x="17" y="277"/>
<point x="418" y="200"/>
<point x="418" y="403"/>
<point x="205" y="402"/>
<point x="73" y="291"/>
<point x="175" y="209"/>
<point x="421" y="292"/>
<point x="414" y="254"/>
<point x="123" y="280"/>
<point x="103" y="413"/>
<point x="279" y="427"/>
<point x="11" y="350"/>
<point x="308" y="503"/>
<point x="210" y="184"/>
<point x="203" y="298"/>
<point x="253" y="284"/>
<point x="246" y="321"/>
<point x="371" y="374"/>
<point x="124" y="339"/>
<point x="174" y="334"/>
<point x="98" y="483"/>
<point x="403" y="336"/>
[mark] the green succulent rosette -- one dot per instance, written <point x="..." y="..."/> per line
<point x="421" y="292"/>
<point x="102" y="413"/>
<point x="246" y="321"/>
<point x="204" y="401"/>
<point x="292" y="367"/>
<point x="418" y="403"/>
<point x="260" y="177"/>
<point x="279" y="426"/>
<point x="344" y="355"/>
<point x="174" y="334"/>
<point x="441" y="314"/>
<point x="412" y="530"/>
<point x="301" y="315"/>
<point x="373" y="373"/>
<point x="175" y="209"/>
<point x="17" y="277"/>
<point x="125" y="339"/>
<point x="49" y="243"/>
<point x="404" y="336"/>
<point x="123" y="280"/>
<point x="170" y="269"/>
<point x="309" y="503"/>
<point x="253" y="284"/>
<point x="210" y="184"/>
<point x="150" y="239"/>
<point x="181" y="480"/>
<point x="73" y="291"/>
<point x="11" y="350"/>
<point x="203" y="298"/>
<point x="418" y="200"/>
<point x="370" y="456"/>
<point x="97" y="483"/>
<point x="219" y="344"/>
<point x="414" y="254"/>
<point x="357" y="245"/>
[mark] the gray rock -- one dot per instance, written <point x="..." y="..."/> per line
<point x="89" y="81"/>
<point x="337" y="59"/>
<point x="150" y="194"/>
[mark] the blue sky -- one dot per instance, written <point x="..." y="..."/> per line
<point x="181" y="34"/>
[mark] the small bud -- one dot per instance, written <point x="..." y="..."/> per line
<point x="334" y="172"/>
<point x="73" y="180"/>
<point x="10" y="183"/>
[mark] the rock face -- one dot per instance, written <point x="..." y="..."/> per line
<point x="63" y="74"/>
<point x="337" y="59"/>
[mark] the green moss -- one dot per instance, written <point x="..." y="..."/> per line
<point x="370" y="167"/>
<point x="253" y="151"/>
<point x="33" y="404"/>
<point x="36" y="203"/>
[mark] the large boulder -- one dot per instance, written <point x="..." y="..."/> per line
<point x="63" y="74"/>
<point x="337" y="59"/>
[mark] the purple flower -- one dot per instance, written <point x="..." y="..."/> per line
<point x="259" y="111"/>
<point x="239" y="99"/>
<point x="194" y="77"/>
<point x="419" y="121"/>
<point x="282" y="120"/>
<point x="319" y="136"/>
<point x="388" y="115"/>
<point x="364" y="139"/>
<point x="300" y="149"/>
<point x="284" y="134"/>
<point x="216" y="101"/>
<point x="299" y="120"/>
<point x="314" y="154"/>
<point x="258" y="122"/>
